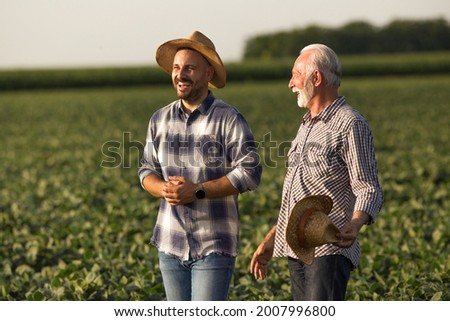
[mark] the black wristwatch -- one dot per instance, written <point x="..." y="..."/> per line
<point x="200" y="192"/>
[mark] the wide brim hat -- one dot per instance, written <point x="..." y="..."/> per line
<point x="200" y="43"/>
<point x="309" y="226"/>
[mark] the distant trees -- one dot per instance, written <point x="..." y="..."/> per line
<point x="356" y="37"/>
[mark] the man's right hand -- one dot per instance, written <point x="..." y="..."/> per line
<point x="262" y="256"/>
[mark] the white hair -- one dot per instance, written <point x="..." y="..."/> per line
<point x="326" y="61"/>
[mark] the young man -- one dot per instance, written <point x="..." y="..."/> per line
<point x="332" y="155"/>
<point x="199" y="155"/>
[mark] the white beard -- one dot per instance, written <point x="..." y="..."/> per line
<point x="304" y="95"/>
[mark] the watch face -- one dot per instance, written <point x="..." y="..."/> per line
<point x="200" y="194"/>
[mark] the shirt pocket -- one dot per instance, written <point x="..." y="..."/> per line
<point x="211" y="151"/>
<point x="317" y="160"/>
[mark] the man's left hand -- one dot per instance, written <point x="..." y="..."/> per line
<point x="179" y="191"/>
<point x="349" y="232"/>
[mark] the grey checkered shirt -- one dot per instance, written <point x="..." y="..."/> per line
<point x="211" y="142"/>
<point x="332" y="154"/>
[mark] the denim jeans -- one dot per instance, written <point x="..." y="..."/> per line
<point x="205" y="279"/>
<point x="324" y="280"/>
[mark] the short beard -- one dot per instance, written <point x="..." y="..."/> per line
<point x="305" y="94"/>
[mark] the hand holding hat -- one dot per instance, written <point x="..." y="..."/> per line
<point x="309" y="226"/>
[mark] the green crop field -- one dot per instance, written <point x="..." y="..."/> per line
<point x="75" y="223"/>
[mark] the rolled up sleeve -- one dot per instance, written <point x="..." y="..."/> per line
<point x="364" y="171"/>
<point x="149" y="161"/>
<point x="247" y="168"/>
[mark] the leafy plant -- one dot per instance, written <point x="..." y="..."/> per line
<point x="73" y="229"/>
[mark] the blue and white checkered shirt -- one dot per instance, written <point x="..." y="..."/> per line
<point x="333" y="154"/>
<point x="211" y="142"/>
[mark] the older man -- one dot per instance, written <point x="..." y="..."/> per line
<point x="332" y="155"/>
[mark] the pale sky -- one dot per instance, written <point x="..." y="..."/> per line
<point x="87" y="33"/>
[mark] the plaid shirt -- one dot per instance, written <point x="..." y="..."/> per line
<point x="333" y="154"/>
<point x="211" y="142"/>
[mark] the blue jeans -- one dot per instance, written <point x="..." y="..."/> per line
<point x="205" y="279"/>
<point x="324" y="280"/>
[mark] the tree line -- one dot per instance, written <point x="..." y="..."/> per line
<point x="356" y="37"/>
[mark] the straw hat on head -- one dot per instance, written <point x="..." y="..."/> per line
<point x="198" y="42"/>
<point x="309" y="226"/>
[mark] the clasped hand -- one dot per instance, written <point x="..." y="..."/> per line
<point x="178" y="191"/>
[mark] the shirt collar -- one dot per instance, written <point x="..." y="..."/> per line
<point x="206" y="104"/>
<point x="203" y="107"/>
<point x="329" y="111"/>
